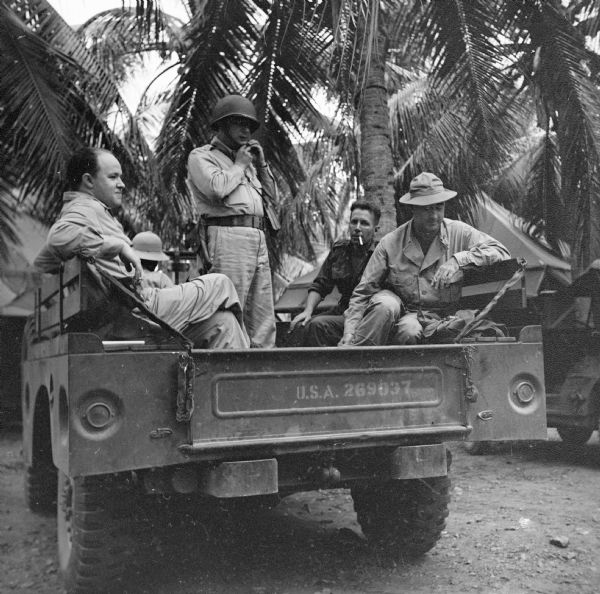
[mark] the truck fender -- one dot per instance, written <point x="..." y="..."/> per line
<point x="582" y="385"/>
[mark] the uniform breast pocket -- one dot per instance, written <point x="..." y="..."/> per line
<point x="402" y="279"/>
<point x="339" y="271"/>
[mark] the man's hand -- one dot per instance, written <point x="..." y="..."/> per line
<point x="257" y="150"/>
<point x="243" y="157"/>
<point x="130" y="259"/>
<point x="302" y="318"/>
<point x="447" y="274"/>
<point x="346" y="340"/>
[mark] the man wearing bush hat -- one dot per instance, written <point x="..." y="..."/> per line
<point x="415" y="269"/>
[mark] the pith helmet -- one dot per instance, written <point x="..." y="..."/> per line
<point x="234" y="105"/>
<point x="148" y="246"/>
<point x="426" y="189"/>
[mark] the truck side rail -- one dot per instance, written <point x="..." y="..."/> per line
<point x="81" y="287"/>
<point x="64" y="295"/>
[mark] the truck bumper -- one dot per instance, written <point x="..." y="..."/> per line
<point x="418" y="461"/>
<point x="241" y="479"/>
<point x="260" y="477"/>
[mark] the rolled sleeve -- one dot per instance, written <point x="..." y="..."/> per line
<point x="483" y="250"/>
<point x="74" y="236"/>
<point x="71" y="236"/>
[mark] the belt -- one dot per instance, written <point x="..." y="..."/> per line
<point x="254" y="221"/>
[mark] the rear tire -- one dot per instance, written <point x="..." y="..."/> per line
<point x="575" y="437"/>
<point x="403" y="518"/>
<point x="90" y="548"/>
<point x="40" y="488"/>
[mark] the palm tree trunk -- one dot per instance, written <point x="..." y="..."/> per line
<point x="376" y="169"/>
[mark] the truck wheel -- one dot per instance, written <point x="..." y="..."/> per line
<point x="40" y="488"/>
<point x="574" y="436"/>
<point x="403" y="518"/>
<point x="89" y="551"/>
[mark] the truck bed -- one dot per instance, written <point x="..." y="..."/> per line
<point x="169" y="406"/>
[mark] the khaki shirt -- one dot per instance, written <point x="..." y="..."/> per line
<point x="156" y="279"/>
<point x="85" y="228"/>
<point x="222" y="188"/>
<point x="398" y="264"/>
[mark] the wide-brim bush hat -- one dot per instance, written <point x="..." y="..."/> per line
<point x="426" y="189"/>
<point x="148" y="246"/>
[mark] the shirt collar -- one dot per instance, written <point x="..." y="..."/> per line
<point x="72" y="195"/>
<point x="220" y="145"/>
<point x="442" y="235"/>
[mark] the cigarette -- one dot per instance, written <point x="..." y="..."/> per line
<point x="360" y="241"/>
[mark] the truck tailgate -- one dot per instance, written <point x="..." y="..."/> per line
<point x="306" y="395"/>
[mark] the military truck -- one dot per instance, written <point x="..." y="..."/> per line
<point x="110" y="421"/>
<point x="570" y="320"/>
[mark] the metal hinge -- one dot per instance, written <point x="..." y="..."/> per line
<point x="185" y="388"/>
<point x="464" y="361"/>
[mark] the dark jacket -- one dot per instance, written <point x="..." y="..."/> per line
<point x="341" y="270"/>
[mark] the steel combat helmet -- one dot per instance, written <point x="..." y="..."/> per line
<point x="234" y="105"/>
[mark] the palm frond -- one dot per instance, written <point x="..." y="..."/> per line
<point x="569" y="99"/>
<point x="7" y="224"/>
<point x="120" y="41"/>
<point x="250" y="48"/>
<point x="54" y="99"/>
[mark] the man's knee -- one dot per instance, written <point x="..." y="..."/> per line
<point x="218" y="281"/>
<point x="385" y="303"/>
<point x="408" y="330"/>
<point x="220" y="331"/>
<point x="324" y="330"/>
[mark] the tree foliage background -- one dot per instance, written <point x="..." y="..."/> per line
<point x="495" y="96"/>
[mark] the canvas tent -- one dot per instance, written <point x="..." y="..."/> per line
<point x="17" y="276"/>
<point x="17" y="281"/>
<point x="544" y="269"/>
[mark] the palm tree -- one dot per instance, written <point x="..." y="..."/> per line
<point x="463" y="82"/>
<point x="473" y="101"/>
<point x="492" y="70"/>
<point x="55" y="96"/>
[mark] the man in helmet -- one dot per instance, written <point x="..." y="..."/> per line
<point x="148" y="248"/>
<point x="234" y="189"/>
<point x="414" y="270"/>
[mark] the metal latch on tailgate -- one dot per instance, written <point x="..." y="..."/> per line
<point x="185" y="388"/>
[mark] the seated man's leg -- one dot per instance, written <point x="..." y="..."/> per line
<point x="324" y="330"/>
<point x="379" y="321"/>
<point x="408" y="329"/>
<point x="220" y="331"/>
<point x="195" y="301"/>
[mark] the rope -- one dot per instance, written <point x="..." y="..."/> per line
<point x="507" y="285"/>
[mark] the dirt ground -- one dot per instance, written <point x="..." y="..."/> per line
<point x="507" y="510"/>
